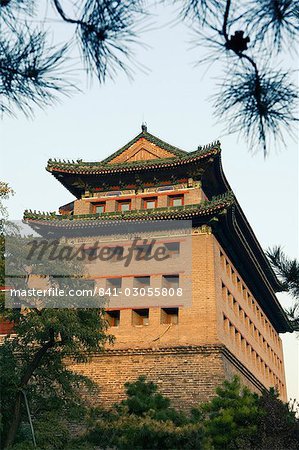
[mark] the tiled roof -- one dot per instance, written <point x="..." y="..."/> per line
<point x="81" y="167"/>
<point x="151" y="138"/>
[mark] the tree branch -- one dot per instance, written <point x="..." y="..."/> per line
<point x="225" y="20"/>
<point x="16" y="416"/>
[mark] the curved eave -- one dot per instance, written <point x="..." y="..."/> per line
<point x="153" y="164"/>
<point x="67" y="174"/>
<point x="237" y="247"/>
<point x="96" y="219"/>
<point x="214" y="183"/>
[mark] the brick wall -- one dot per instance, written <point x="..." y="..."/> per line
<point x="191" y="196"/>
<point x="244" y="327"/>
<point x="187" y="375"/>
<point x="81" y="207"/>
<point x="223" y="313"/>
<point x="197" y="323"/>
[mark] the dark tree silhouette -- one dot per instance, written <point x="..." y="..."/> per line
<point x="287" y="270"/>
<point x="33" y="71"/>
<point x="254" y="99"/>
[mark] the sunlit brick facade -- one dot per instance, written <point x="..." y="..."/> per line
<point x="233" y="323"/>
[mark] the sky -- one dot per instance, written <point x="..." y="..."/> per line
<point x="174" y="98"/>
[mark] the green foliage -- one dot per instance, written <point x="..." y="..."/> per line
<point x="144" y="400"/>
<point x="231" y="416"/>
<point x="34" y="359"/>
<point x="131" y="431"/>
<point x="234" y="419"/>
<point x="5" y="192"/>
<point x="145" y="420"/>
<point x="51" y="431"/>
<point x="287" y="271"/>
<point x="278" y="427"/>
<point x="257" y="100"/>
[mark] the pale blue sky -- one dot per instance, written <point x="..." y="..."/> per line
<point x="173" y="99"/>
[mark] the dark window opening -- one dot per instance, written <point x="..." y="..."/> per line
<point x="114" y="284"/>
<point x="172" y="248"/>
<point x="142" y="282"/>
<point x="140" y="316"/>
<point x="170" y="281"/>
<point x="170" y="316"/>
<point x="113" y="318"/>
<point x="165" y="188"/>
<point x="113" y="193"/>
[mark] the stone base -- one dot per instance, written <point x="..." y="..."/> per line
<point x="187" y="375"/>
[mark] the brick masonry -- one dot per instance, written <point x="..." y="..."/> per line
<point x="190" y="359"/>
<point x="223" y="332"/>
<point x="187" y="375"/>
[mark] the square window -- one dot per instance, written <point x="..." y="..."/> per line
<point x="172" y="248"/>
<point x="114" y="284"/>
<point x="170" y="281"/>
<point x="140" y="316"/>
<point x="113" y="317"/>
<point x="99" y="208"/>
<point x="170" y="316"/>
<point x="150" y="203"/>
<point x="142" y="282"/>
<point x="176" y="200"/>
<point x="124" y="205"/>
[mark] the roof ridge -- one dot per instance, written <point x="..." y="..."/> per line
<point x="153" y="139"/>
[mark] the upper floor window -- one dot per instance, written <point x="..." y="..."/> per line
<point x="140" y="316"/>
<point x="113" y="193"/>
<point x="170" y="281"/>
<point x="165" y="188"/>
<point x="114" y="284"/>
<point x="99" y="208"/>
<point x="124" y="205"/>
<point x="142" y="282"/>
<point x="176" y="200"/>
<point x="150" y="202"/>
<point x="113" y="317"/>
<point x="170" y="316"/>
<point x="172" y="248"/>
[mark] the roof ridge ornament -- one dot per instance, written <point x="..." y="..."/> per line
<point x="144" y="127"/>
